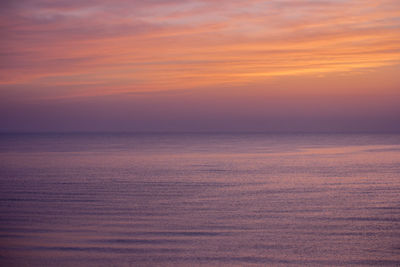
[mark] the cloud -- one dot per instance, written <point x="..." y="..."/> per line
<point x="167" y="45"/>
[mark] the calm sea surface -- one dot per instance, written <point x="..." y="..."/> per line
<point x="199" y="199"/>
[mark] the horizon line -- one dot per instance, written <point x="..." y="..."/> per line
<point x="199" y="132"/>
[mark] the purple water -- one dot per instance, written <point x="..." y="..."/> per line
<point x="199" y="199"/>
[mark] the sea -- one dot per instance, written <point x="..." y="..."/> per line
<point x="199" y="199"/>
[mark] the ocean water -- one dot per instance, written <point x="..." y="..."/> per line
<point x="199" y="200"/>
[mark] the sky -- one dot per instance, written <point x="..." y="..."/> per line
<point x="200" y="65"/>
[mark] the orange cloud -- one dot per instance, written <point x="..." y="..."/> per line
<point x="98" y="46"/>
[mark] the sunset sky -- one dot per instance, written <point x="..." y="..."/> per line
<point x="200" y="65"/>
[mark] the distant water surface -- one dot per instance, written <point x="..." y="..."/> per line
<point x="199" y="199"/>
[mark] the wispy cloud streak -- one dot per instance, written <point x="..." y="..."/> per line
<point x="174" y="44"/>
